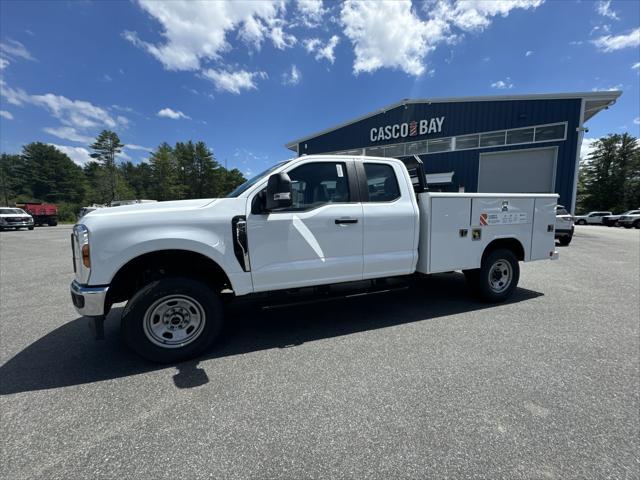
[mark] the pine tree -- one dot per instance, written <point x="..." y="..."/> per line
<point x="106" y="147"/>
<point x="610" y="177"/>
<point x="164" y="173"/>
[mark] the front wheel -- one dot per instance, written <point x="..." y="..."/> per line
<point x="172" y="319"/>
<point x="497" y="277"/>
<point x="636" y="224"/>
<point x="30" y="228"/>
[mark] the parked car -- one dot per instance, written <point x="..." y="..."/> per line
<point x="630" y="219"/>
<point x="302" y="226"/>
<point x="564" y="225"/>
<point x="612" y="220"/>
<point x="591" y="218"/>
<point x="15" y="218"/>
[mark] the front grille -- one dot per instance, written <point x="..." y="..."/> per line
<point x="16" y="219"/>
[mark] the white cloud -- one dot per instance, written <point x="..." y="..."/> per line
<point x="326" y="51"/>
<point x="292" y="77"/>
<point x="528" y="53"/>
<point x="196" y="31"/>
<point x="79" y="155"/>
<point x="233" y="82"/>
<point x="636" y="66"/>
<point x="4" y="63"/>
<point x="607" y="89"/>
<point x="604" y="9"/>
<point x="610" y="43"/>
<point x="173" y="114"/>
<point x="132" y="146"/>
<point x="68" y="133"/>
<point x="14" y="49"/>
<point x="502" y="84"/>
<point x="636" y="120"/>
<point x="476" y="15"/>
<point x="390" y="34"/>
<point x="74" y="113"/>
<point x="576" y="42"/>
<point x="587" y="147"/>
<point x="311" y="12"/>
<point x="6" y="114"/>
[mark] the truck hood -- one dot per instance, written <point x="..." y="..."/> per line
<point x="144" y="208"/>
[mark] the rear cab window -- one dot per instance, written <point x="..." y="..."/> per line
<point x="382" y="184"/>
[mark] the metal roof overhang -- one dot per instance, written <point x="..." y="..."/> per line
<point x="594" y="102"/>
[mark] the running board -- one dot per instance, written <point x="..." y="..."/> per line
<point x="329" y="297"/>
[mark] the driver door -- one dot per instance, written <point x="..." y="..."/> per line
<point x="318" y="240"/>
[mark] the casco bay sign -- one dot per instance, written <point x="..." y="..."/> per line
<point x="407" y="129"/>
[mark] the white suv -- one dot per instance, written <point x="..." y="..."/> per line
<point x="630" y="219"/>
<point x="564" y="225"/>
<point x="591" y="218"/>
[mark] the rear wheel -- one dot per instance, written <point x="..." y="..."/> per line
<point x="581" y="222"/>
<point x="636" y="224"/>
<point x="52" y="223"/>
<point x="172" y="319"/>
<point x="30" y="228"/>
<point x="564" y="241"/>
<point x="497" y="276"/>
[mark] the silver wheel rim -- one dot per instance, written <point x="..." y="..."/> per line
<point x="500" y="276"/>
<point x="174" y="321"/>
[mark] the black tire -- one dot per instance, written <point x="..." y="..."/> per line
<point x="134" y="319"/>
<point x="52" y="223"/>
<point x="30" y="228"/>
<point x="564" y="241"/>
<point x="636" y="224"/>
<point x="627" y="226"/>
<point x="490" y="266"/>
<point x="581" y="222"/>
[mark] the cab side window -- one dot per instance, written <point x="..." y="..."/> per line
<point x="381" y="182"/>
<point x="315" y="184"/>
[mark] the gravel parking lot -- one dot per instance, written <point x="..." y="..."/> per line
<point x="425" y="383"/>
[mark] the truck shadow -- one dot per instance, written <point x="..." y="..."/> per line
<point x="69" y="356"/>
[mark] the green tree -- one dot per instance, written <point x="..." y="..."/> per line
<point x="11" y="178"/>
<point x="52" y="176"/>
<point x="106" y="147"/>
<point x="609" y="178"/>
<point x="164" y="174"/>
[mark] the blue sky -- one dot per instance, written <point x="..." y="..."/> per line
<point x="246" y="77"/>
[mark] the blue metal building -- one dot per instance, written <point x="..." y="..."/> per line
<point x="515" y="143"/>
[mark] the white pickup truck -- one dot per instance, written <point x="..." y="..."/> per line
<point x="313" y="221"/>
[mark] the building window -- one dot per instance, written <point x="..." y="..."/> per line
<point x="374" y="152"/>
<point x="520" y="135"/>
<point x="550" y="132"/>
<point x="492" y="139"/>
<point x="394" y="151"/>
<point x="439" y="145"/>
<point x="416" y="148"/>
<point x="467" y="141"/>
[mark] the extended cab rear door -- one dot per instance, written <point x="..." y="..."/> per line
<point x="390" y="218"/>
<point x="319" y="239"/>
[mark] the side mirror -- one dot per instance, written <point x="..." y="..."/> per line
<point x="278" y="192"/>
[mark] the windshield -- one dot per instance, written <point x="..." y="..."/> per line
<point x="6" y="211"/>
<point x="252" y="181"/>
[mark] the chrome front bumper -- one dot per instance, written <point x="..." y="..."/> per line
<point x="89" y="301"/>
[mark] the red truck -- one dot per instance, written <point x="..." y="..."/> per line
<point x="42" y="213"/>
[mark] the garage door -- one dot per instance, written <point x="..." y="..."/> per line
<point x="518" y="171"/>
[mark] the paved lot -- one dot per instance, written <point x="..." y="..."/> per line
<point x="433" y="385"/>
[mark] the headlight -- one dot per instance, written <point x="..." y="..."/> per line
<point x="82" y="251"/>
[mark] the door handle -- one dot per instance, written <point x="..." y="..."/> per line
<point x="340" y="221"/>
